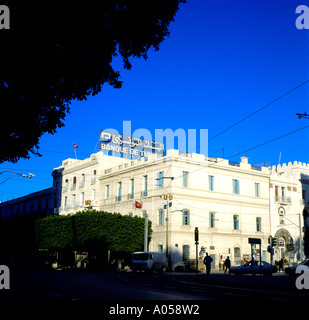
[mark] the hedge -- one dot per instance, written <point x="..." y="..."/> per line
<point x="85" y="230"/>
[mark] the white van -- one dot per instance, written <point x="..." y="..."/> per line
<point x="148" y="261"/>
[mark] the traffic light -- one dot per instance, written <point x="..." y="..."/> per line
<point x="272" y="241"/>
<point x="290" y="246"/>
<point x="196" y="237"/>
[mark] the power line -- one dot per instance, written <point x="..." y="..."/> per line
<point x="255" y="112"/>
<point x="260" y="109"/>
<point x="250" y="149"/>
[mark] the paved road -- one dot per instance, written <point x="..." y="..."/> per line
<point x="224" y="287"/>
<point x="74" y="285"/>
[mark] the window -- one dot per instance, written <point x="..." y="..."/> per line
<point x="145" y="191"/>
<point x="185" y="175"/>
<point x="82" y="197"/>
<point x="211" y="183"/>
<point x="94" y="177"/>
<point x="73" y="200"/>
<point x="235" y="186"/>
<point x="185" y="217"/>
<point x="211" y="220"/>
<point x="160" y="248"/>
<point x="257" y="189"/>
<point x="160" y="180"/>
<point x="107" y="191"/>
<point x="258" y="224"/>
<point x="237" y="253"/>
<point x="235" y="222"/>
<point x="119" y="192"/>
<point x="93" y="195"/>
<point x="161" y="217"/>
<point x="82" y="182"/>
<point x="131" y="195"/>
<point x="185" y="253"/>
<point x="283" y="192"/>
<point x="65" y="202"/>
<point x="74" y="183"/>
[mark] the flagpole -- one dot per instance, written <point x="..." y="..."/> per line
<point x="75" y="150"/>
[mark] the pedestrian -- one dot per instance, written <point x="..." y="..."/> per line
<point x="119" y="265"/>
<point x="221" y="263"/>
<point x="207" y="262"/>
<point x="280" y="264"/>
<point x="227" y="264"/>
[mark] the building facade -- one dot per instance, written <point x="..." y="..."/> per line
<point x="37" y="204"/>
<point x="229" y="202"/>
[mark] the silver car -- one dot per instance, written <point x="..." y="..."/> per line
<point x="258" y="267"/>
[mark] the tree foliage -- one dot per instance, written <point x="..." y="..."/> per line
<point x="86" y="230"/>
<point x="56" y="52"/>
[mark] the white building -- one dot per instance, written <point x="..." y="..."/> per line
<point x="229" y="202"/>
<point x="289" y="203"/>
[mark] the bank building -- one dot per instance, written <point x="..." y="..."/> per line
<point x="229" y="202"/>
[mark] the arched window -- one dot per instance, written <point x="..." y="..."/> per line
<point x="185" y="253"/>
<point x="185" y="217"/>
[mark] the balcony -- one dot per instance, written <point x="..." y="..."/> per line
<point x="283" y="200"/>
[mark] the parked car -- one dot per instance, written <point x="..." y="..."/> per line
<point x="184" y="266"/>
<point x="247" y="268"/>
<point x="291" y="270"/>
<point x="148" y="261"/>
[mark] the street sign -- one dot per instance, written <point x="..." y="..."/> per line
<point x="254" y="240"/>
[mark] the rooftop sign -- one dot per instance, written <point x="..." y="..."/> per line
<point x="129" y="145"/>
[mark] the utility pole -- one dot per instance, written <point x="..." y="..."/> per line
<point x="167" y="197"/>
<point x="146" y="233"/>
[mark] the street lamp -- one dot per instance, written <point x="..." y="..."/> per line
<point x="167" y="197"/>
<point x="29" y="176"/>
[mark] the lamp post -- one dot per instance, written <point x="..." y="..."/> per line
<point x="29" y="176"/>
<point x="167" y="197"/>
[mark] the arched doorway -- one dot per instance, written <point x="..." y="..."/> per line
<point x="283" y="238"/>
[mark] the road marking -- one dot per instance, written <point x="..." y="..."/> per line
<point x="54" y="294"/>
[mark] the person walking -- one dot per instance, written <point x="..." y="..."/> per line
<point x="207" y="262"/>
<point x="227" y="264"/>
<point x="280" y="264"/>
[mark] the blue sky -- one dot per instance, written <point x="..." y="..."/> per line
<point x="222" y="61"/>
